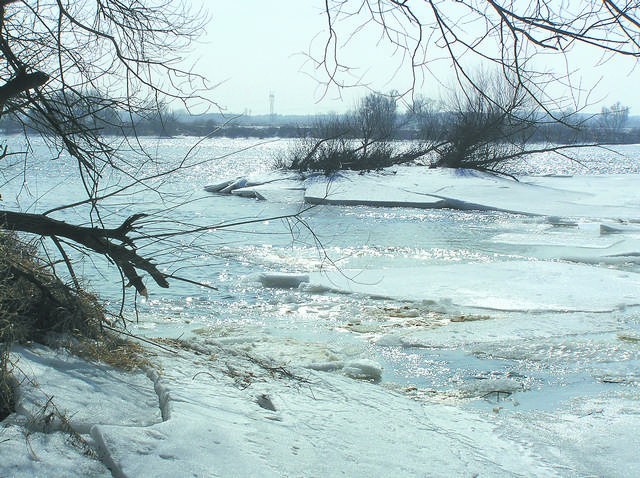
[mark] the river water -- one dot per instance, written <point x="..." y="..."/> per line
<point x="437" y="351"/>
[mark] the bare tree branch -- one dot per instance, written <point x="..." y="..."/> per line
<point x="98" y="240"/>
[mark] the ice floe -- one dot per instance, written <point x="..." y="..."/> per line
<point x="527" y="286"/>
<point x="282" y="280"/>
<point x="275" y="186"/>
<point x="615" y="196"/>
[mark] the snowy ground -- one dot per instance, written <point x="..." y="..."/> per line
<point x="214" y="412"/>
<point x="522" y="367"/>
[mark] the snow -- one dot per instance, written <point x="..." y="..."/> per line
<point x="217" y="428"/>
<point x="594" y="428"/>
<point x="90" y="384"/>
<point x="27" y="453"/>
<point x="34" y="441"/>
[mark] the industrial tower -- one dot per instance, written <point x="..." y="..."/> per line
<point x="272" y="102"/>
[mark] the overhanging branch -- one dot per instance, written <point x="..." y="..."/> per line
<point x="115" y="244"/>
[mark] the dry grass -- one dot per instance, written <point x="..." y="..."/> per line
<point x="35" y="304"/>
<point x="6" y="383"/>
<point x="111" y="350"/>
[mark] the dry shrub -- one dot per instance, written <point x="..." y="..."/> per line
<point x="35" y="302"/>
<point x="36" y="305"/>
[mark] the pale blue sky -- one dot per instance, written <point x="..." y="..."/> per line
<point x="255" y="47"/>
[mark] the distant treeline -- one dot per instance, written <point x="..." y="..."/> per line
<point x="589" y="130"/>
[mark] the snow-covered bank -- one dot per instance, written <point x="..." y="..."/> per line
<point x="227" y="415"/>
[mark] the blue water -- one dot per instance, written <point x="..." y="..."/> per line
<point x="225" y="256"/>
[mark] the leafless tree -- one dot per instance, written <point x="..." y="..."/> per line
<point x="323" y="149"/>
<point x="427" y="117"/>
<point x="613" y="118"/>
<point x="488" y="123"/>
<point x="513" y="37"/>
<point x="375" y="122"/>
<point x="360" y="140"/>
<point x="70" y="70"/>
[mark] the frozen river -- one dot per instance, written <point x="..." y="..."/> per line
<point x="520" y="305"/>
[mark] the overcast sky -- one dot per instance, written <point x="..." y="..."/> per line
<point x="255" y="47"/>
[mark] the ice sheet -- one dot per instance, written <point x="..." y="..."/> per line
<point x="603" y="196"/>
<point x="531" y="286"/>
<point x="613" y="196"/>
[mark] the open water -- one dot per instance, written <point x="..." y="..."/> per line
<point x="588" y="354"/>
